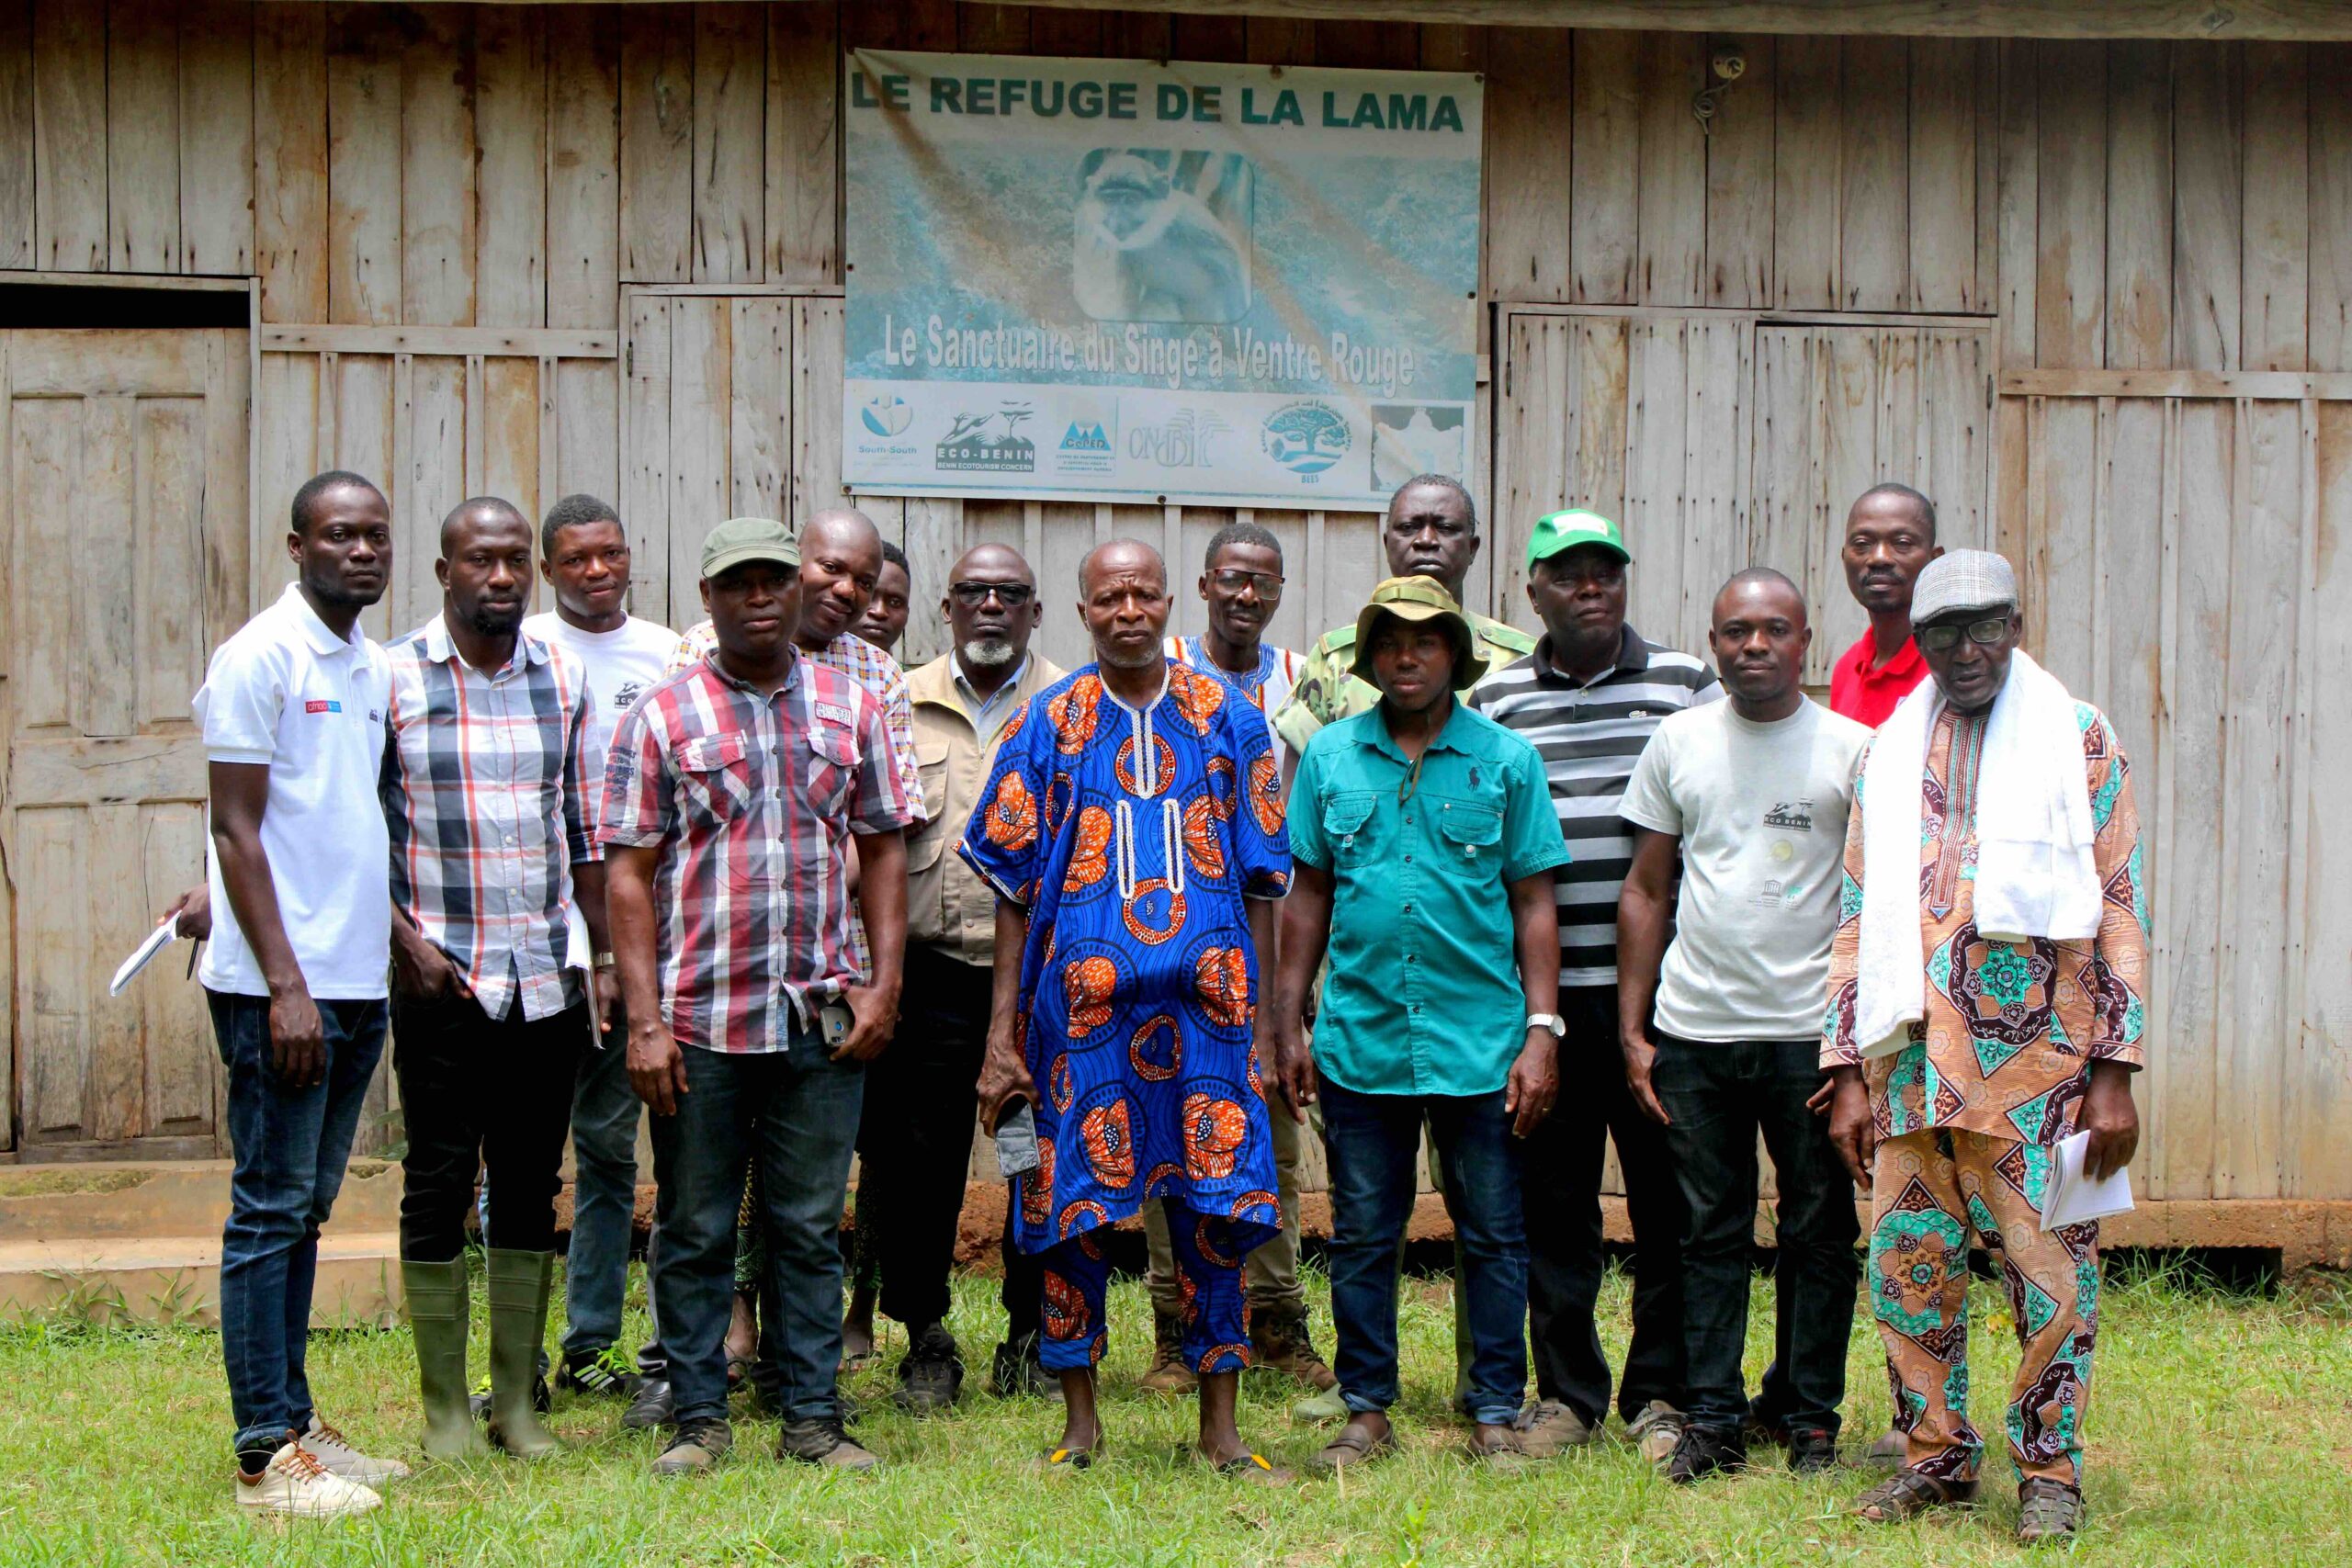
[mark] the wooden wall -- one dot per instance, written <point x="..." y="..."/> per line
<point x="533" y="247"/>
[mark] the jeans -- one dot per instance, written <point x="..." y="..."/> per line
<point x="477" y="1091"/>
<point x="604" y="1111"/>
<point x="1370" y="1141"/>
<point x="917" y="1133"/>
<point x="796" y="1112"/>
<point x="1720" y="1096"/>
<point x="290" y="1147"/>
<point x="1564" y="1161"/>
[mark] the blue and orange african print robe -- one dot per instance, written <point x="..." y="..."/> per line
<point x="1132" y="836"/>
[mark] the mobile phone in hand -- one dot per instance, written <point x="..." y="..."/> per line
<point x="835" y="1021"/>
<point x="1016" y="1139"/>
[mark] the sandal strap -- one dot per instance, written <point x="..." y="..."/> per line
<point x="1910" y="1491"/>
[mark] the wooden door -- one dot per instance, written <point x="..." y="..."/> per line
<point x="123" y="546"/>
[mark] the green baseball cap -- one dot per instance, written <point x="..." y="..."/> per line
<point x="741" y="539"/>
<point x="1566" y="530"/>
<point x="1418" y="599"/>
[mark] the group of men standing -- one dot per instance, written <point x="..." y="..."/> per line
<point x="1528" y="898"/>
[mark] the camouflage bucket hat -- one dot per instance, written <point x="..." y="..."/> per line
<point x="1418" y="599"/>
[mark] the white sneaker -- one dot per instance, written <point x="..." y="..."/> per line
<point x="295" y="1483"/>
<point x="332" y="1450"/>
<point x="1657" y="1431"/>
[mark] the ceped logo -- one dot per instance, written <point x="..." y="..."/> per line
<point x="887" y="415"/>
<point x="1306" y="437"/>
<point x="321" y="705"/>
<point x="1085" y="435"/>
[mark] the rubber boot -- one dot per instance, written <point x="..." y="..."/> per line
<point x="436" y="1317"/>
<point x="518" y="1331"/>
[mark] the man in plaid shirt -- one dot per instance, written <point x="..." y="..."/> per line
<point x="733" y="791"/>
<point x="490" y="824"/>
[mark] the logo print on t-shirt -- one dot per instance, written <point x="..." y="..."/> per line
<point x="1796" y="814"/>
<point x="321" y="705"/>
<point x="625" y="698"/>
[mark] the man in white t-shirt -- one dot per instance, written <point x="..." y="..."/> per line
<point x="1722" y="1029"/>
<point x="584" y="553"/>
<point x="299" y="870"/>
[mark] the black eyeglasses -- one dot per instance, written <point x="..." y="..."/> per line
<point x="972" y="596"/>
<point x="1233" y="580"/>
<point x="1936" y="639"/>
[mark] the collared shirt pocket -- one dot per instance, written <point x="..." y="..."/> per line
<point x="1347" y="823"/>
<point x="1473" y="835"/>
<point x="714" y="777"/>
<point x="931" y="761"/>
<point x="832" y="764"/>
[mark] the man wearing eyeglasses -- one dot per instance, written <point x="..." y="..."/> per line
<point x="1241" y="581"/>
<point x="920" y="1093"/>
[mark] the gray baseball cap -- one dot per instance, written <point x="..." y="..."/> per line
<point x="1964" y="580"/>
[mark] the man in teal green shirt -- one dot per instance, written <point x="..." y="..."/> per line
<point x="1423" y="843"/>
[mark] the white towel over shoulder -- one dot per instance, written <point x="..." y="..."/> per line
<point x="2035" y="873"/>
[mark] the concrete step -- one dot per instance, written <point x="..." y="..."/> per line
<point x="142" y="1240"/>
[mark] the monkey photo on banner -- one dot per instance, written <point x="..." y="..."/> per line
<point x="1162" y="236"/>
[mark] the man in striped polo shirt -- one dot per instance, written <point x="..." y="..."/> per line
<point x="1589" y="698"/>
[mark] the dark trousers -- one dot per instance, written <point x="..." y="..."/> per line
<point x="291" y="1147"/>
<point x="1720" y="1096"/>
<point x="1563" y="1161"/>
<point x="483" y="1092"/>
<point x="1372" y="1142"/>
<point x="1023" y="1291"/>
<point x="915" y="1133"/>
<point x="794" y="1112"/>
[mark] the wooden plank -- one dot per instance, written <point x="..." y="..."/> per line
<point x="656" y="144"/>
<point x="729" y="89"/>
<point x="583" y="165"/>
<point x="16" y="194"/>
<point x="1599" y="394"/>
<point x="286" y="415"/>
<point x="645" y="461"/>
<point x="1528" y="138"/>
<point x="934" y="538"/>
<point x="567" y="343"/>
<point x="1716" y="440"/>
<point x="701" y="363"/>
<point x="1671" y="179"/>
<point x="216" y="125"/>
<point x="816" y="407"/>
<point x="1530" y="460"/>
<point x="992" y="30"/>
<point x="1955" y="434"/>
<point x="289" y="178"/>
<point x="1655" y="397"/>
<point x="2331" y="201"/>
<point x="174" y="1021"/>
<point x="2287" y="384"/>
<point x="436" y="170"/>
<point x="167" y="552"/>
<point x="363" y="266"/>
<point x="2277" y="282"/>
<point x="1941" y="194"/>
<point x="2064" y="562"/>
<point x="1283" y="40"/>
<point x="1740" y="157"/>
<point x="69" y="136"/>
<point x="1987" y="292"/>
<point x="1136" y="34"/>
<point x="587" y="420"/>
<point x="759" y="412"/>
<point x="2322" y="1088"/>
<point x="143" y="137"/>
<point x="511" y="189"/>
<point x="2139" y="205"/>
<point x="2070" y="303"/>
<point x="1806" y="185"/>
<point x="509" y="427"/>
<point x="1605" y="141"/>
<point x="53" y="999"/>
<point x="2018" y="199"/>
<point x="2208" y="208"/>
<point x="1079" y="34"/>
<point x="803" y="152"/>
<point x="1874" y="215"/>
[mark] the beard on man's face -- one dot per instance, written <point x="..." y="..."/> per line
<point x="495" y="620"/>
<point x="988" y="652"/>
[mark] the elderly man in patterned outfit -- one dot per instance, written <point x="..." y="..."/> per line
<point x="1987" y="996"/>
<point x="1133" y="830"/>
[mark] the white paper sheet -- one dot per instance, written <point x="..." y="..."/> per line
<point x="2072" y="1197"/>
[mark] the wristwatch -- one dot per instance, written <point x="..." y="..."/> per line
<point x="1551" y="1021"/>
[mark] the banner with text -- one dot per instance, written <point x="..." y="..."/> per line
<point x="1119" y="280"/>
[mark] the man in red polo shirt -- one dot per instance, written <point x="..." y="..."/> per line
<point x="1890" y="538"/>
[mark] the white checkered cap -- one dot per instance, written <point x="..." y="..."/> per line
<point x="1964" y="580"/>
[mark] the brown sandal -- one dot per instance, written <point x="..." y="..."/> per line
<point x="2049" y="1510"/>
<point x="1910" y="1492"/>
<point x="1351" y="1447"/>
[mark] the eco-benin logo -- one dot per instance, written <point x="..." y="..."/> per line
<point x="968" y="445"/>
<point x="1307" y="437"/>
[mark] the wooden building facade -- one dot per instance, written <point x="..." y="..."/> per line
<point x="2092" y="293"/>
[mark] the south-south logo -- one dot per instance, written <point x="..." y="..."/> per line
<point x="1306" y="437"/>
<point x="886" y="416"/>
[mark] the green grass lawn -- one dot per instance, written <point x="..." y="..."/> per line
<point x="2220" y="1433"/>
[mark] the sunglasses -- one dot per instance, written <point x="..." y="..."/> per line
<point x="972" y="596"/>
<point x="1233" y="580"/>
<point x="1936" y="639"/>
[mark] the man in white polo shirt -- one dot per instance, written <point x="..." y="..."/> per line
<point x="585" y="555"/>
<point x="299" y="870"/>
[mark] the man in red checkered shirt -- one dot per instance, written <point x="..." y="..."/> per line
<point x="732" y="793"/>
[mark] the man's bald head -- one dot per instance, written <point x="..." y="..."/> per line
<point x="481" y="511"/>
<point x="1123" y="595"/>
<point x="840" y="562"/>
<point x="485" y="566"/>
<point x="1761" y="585"/>
<point x="1119" y="556"/>
<point x="992" y="607"/>
<point x="998" y="563"/>
<point x="844" y="524"/>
